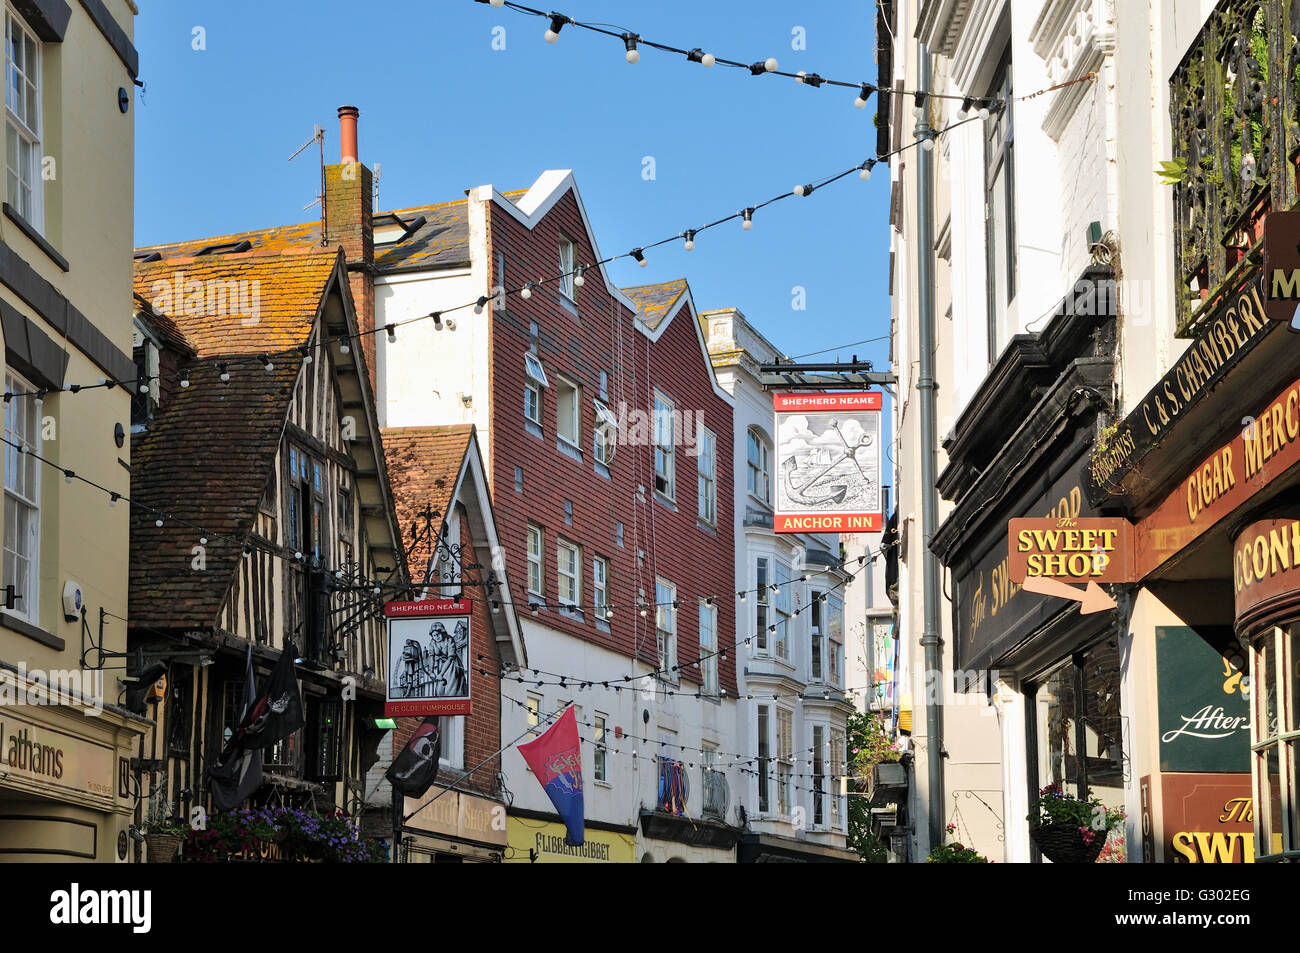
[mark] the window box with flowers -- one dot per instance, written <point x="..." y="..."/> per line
<point x="282" y="834"/>
<point x="1069" y="829"/>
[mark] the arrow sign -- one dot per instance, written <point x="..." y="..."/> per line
<point x="1091" y="599"/>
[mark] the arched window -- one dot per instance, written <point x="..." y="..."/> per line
<point x="760" y="466"/>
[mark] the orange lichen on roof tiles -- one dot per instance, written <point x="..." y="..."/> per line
<point x="423" y="464"/>
<point x="239" y="304"/>
<point x="654" y="301"/>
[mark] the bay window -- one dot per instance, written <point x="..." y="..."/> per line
<point x="22" y="497"/>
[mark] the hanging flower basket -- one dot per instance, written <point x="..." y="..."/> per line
<point x="162" y="847"/>
<point x="1067" y="844"/>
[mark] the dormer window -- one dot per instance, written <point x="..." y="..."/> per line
<point x="144" y="391"/>
<point x="23" y="119"/>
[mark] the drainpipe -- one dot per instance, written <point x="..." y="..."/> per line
<point x="926" y="387"/>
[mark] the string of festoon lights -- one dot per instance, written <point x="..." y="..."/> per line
<point x="226" y="364"/>
<point x="731" y="759"/>
<point x="625" y="682"/>
<point x="203" y="536"/>
<point x="633" y="41"/>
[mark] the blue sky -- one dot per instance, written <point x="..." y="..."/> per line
<point x="442" y="111"/>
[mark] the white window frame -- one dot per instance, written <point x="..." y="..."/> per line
<point x="570" y="553"/>
<point x="762" y="604"/>
<point x="664" y="447"/>
<point x="709" y="648"/>
<point x="784" y="728"/>
<point x="832" y="609"/>
<point x="707" y="477"/>
<point x="451" y="754"/>
<point x="533" y="713"/>
<point x="18" y="130"/>
<point x="533" y="396"/>
<point x="600" y="587"/>
<point x="763" y="762"/>
<point x="28" y="496"/>
<point x="760" y="471"/>
<point x="836" y="767"/>
<point x="568" y="261"/>
<point x="780" y="611"/>
<point x="534" y="370"/>
<point x="817" y="643"/>
<point x="604" y="434"/>
<point x="568" y="390"/>
<point x="536" y="560"/>
<point x="599" y="757"/>
<point x="818" y="756"/>
<point x="666" y="628"/>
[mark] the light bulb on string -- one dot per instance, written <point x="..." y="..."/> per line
<point x="526" y="291"/>
<point x="185" y="377"/>
<point x="804" y="190"/>
<point x="68" y="475"/>
<point x="577" y="276"/>
<point x="748" y="219"/>
<point x="863" y="95"/>
<point x="392" y="333"/>
<point x="864" y="170"/>
<point x="770" y="64"/>
<point x="557" y="24"/>
<point x="984" y="111"/>
<point x="918" y="106"/>
<point x="639" y="256"/>
<point x="266" y="361"/>
<point x="113" y="498"/>
<point x="478" y="305"/>
<point x="629" y="41"/>
<point x="437" y="320"/>
<point x="689" y="244"/>
<point x="225" y="373"/>
<point x="344" y="348"/>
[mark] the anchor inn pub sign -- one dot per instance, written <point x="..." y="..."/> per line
<point x="828" y="463"/>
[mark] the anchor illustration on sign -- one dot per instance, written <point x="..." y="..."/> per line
<point x="835" y="492"/>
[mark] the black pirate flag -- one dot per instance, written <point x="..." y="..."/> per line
<point x="415" y="769"/>
<point x="277" y="712"/>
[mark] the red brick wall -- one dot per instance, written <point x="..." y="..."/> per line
<point x="483" y="724"/>
<point x="602" y="337"/>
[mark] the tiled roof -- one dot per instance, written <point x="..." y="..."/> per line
<point x="441" y="242"/>
<point x="205" y="459"/>
<point x="278" y="295"/>
<point x="423" y="463"/>
<point x="164" y="328"/>
<point x="654" y="301"/>
<point x="208" y="453"/>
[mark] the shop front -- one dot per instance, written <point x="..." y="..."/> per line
<point x="453" y="827"/>
<point x="1207" y="467"/>
<point x="1049" y="673"/>
<point x="534" y="838"/>
<point x="66" y="791"/>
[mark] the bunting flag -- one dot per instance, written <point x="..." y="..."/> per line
<point x="416" y="768"/>
<point x="277" y="712"/>
<point x="238" y="773"/>
<point x="556" y="759"/>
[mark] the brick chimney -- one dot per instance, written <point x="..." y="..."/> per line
<point x="349" y="214"/>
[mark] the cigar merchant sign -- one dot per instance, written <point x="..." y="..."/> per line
<point x="1239" y="324"/>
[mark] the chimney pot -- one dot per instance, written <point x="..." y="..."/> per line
<point x="348" y="132"/>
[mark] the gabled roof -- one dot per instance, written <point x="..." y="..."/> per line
<point x="208" y="454"/>
<point x="657" y="305"/>
<point x="440" y="467"/>
<point x="655" y="302"/>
